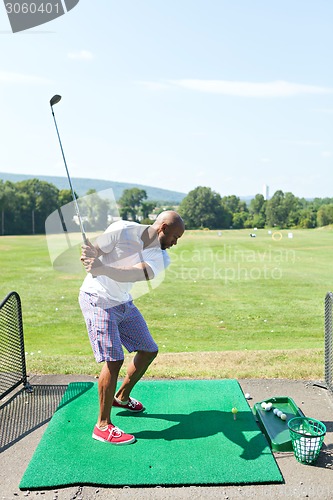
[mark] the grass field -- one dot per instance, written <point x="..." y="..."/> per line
<point x="230" y="306"/>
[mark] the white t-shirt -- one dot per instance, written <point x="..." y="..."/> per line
<point x="123" y="246"/>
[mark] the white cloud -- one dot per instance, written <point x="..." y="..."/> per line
<point x="307" y="142"/>
<point x="199" y="134"/>
<point x="327" y="111"/>
<point x="154" y="85"/>
<point x="265" y="160"/>
<point x="278" y="88"/>
<point x="326" y="154"/>
<point x="82" y="55"/>
<point x="8" y="77"/>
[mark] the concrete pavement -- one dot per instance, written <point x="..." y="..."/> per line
<point x="301" y="481"/>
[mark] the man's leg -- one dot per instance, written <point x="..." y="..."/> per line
<point x="135" y="371"/>
<point x="107" y="383"/>
<point x="104" y="430"/>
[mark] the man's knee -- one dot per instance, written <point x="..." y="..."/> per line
<point x="153" y="355"/>
<point x="114" y="366"/>
<point x="149" y="356"/>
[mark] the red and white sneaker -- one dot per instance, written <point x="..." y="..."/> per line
<point x="131" y="405"/>
<point x="112" y="435"/>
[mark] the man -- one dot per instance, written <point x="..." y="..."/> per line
<point x="125" y="254"/>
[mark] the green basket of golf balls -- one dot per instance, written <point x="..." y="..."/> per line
<point x="307" y="436"/>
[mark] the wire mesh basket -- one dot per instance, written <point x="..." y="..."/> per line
<point x="307" y="436"/>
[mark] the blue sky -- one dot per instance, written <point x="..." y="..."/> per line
<point x="175" y="94"/>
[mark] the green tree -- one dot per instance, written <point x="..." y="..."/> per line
<point x="237" y="210"/>
<point x="325" y="215"/>
<point x="9" y="208"/>
<point x="94" y="210"/>
<point x="257" y="205"/>
<point x="307" y="218"/>
<point x="146" y="208"/>
<point x="276" y="213"/>
<point x="2" y="207"/>
<point x="65" y="196"/>
<point x="293" y="207"/>
<point x="202" y="208"/>
<point x="231" y="203"/>
<point x="130" y="203"/>
<point x="318" y="202"/>
<point x="67" y="209"/>
<point x="257" y="212"/>
<point x="37" y="200"/>
<point x="284" y="210"/>
<point x="239" y="219"/>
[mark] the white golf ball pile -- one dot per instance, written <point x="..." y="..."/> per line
<point x="307" y="448"/>
<point x="278" y="413"/>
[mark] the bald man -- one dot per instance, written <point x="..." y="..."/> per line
<point x="126" y="253"/>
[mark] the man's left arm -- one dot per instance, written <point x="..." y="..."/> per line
<point x="139" y="272"/>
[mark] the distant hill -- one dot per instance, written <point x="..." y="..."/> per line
<point x="81" y="186"/>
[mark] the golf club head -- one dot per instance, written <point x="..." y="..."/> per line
<point x="55" y="99"/>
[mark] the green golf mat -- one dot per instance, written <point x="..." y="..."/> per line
<point x="186" y="436"/>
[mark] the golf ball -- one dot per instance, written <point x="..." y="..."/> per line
<point x="247" y="395"/>
<point x="283" y="416"/>
<point x="275" y="411"/>
<point x="234" y="410"/>
<point x="268" y="406"/>
<point x="279" y="413"/>
<point x="263" y="405"/>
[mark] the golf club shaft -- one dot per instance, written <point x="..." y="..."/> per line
<point x="70" y="183"/>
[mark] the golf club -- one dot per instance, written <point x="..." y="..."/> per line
<point x="55" y="99"/>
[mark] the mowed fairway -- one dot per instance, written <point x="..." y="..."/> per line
<point x="230" y="306"/>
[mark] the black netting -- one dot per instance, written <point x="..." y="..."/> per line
<point x="25" y="411"/>
<point x="329" y="341"/>
<point x="12" y="355"/>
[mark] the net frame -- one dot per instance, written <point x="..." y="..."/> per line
<point x="329" y="342"/>
<point x="13" y="370"/>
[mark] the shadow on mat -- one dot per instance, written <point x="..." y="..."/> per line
<point x="25" y="411"/>
<point x="74" y="391"/>
<point x="204" y="423"/>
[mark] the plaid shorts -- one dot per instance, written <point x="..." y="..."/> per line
<point x="110" y="328"/>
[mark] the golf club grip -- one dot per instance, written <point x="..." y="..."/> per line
<point x="85" y="239"/>
<point x="145" y="272"/>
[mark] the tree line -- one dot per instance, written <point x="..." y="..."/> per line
<point x="25" y="205"/>
<point x="205" y="208"/>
